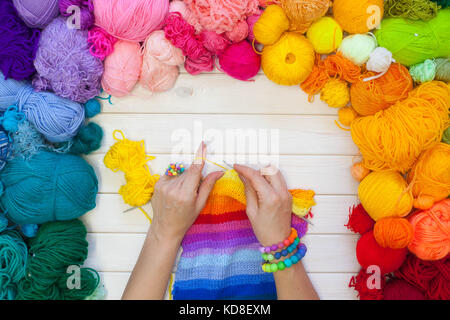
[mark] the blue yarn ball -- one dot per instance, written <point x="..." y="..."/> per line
<point x="3" y="223"/>
<point x="29" y="230"/>
<point x="92" y="108"/>
<point x="47" y="187"/>
<point x="5" y="148"/>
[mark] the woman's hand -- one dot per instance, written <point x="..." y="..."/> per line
<point x="177" y="201"/>
<point x="269" y="203"/>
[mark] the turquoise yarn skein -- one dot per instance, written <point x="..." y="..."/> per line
<point x="47" y="187"/>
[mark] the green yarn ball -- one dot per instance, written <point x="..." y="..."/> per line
<point x="411" y="9"/>
<point x="446" y="136"/>
<point x="423" y="72"/>
<point x="443" y="69"/>
<point x="88" y="139"/>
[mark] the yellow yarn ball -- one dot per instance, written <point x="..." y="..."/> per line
<point x="289" y="61"/>
<point x="271" y="25"/>
<point x="325" y="35"/>
<point x="384" y="194"/>
<point x="335" y="93"/>
<point x="347" y="115"/>
<point x="358" y="16"/>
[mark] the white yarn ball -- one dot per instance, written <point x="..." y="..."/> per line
<point x="358" y="47"/>
<point x="380" y="60"/>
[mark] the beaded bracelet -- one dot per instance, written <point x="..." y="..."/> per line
<point x="288" y="262"/>
<point x="282" y="244"/>
<point x="284" y="252"/>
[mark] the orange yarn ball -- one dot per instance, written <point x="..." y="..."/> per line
<point x="395" y="233"/>
<point x="303" y="13"/>
<point x="358" y="16"/>
<point x="369" y="97"/>
<point x="359" y="172"/>
<point x="431" y="240"/>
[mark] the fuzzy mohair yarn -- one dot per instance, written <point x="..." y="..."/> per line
<point x="37" y="14"/>
<point x="88" y="139"/>
<point x="335" y="93"/>
<point x="48" y="187"/>
<point x="13" y="263"/>
<point x="86" y="12"/>
<point x="18" y="44"/>
<point x="302" y="13"/>
<point x="358" y="16"/>
<point x="240" y="61"/>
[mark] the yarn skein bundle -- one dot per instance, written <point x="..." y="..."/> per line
<point x="412" y="43"/>
<point x="302" y="13"/>
<point x="358" y="16"/>
<point x="87" y="140"/>
<point x="411" y="9"/>
<point x="65" y="65"/>
<point x="48" y="187"/>
<point x="240" y="61"/>
<point x="85" y="8"/>
<point x="442" y="69"/>
<point x="359" y="220"/>
<point x="37" y="14"/>
<point x="132" y="20"/>
<point x="18" y="44"/>
<point x="394" y="138"/>
<point x="423" y="72"/>
<point x="13" y="262"/>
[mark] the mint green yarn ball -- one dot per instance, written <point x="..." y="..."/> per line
<point x="423" y="72"/>
<point x="358" y="47"/>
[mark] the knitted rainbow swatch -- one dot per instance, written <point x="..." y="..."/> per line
<point x="220" y="258"/>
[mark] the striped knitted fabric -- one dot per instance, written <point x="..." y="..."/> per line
<point x="220" y="258"/>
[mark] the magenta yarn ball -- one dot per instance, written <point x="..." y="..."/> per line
<point x="240" y="61"/>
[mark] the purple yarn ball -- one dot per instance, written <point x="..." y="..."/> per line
<point x="37" y="14"/>
<point x="65" y="65"/>
<point x="86" y="11"/>
<point x="18" y="44"/>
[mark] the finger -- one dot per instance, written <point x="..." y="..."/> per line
<point x="192" y="177"/>
<point x="261" y="186"/>
<point x="251" y="196"/>
<point x="206" y="187"/>
<point x="273" y="175"/>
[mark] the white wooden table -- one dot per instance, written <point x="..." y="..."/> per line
<point x="314" y="154"/>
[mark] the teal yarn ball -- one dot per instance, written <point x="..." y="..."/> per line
<point x="47" y="187"/>
<point x="423" y="72"/>
<point x="88" y="139"/>
<point x="3" y="223"/>
<point x="92" y="108"/>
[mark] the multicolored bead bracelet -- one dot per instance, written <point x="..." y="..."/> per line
<point x="284" y="252"/>
<point x="288" y="262"/>
<point x="282" y="244"/>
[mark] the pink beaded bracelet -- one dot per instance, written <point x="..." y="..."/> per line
<point x="282" y="244"/>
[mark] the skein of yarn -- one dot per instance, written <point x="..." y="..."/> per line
<point x="240" y="61"/>
<point x="397" y="289"/>
<point x="358" y="47"/>
<point x="302" y="13"/>
<point x="359" y="220"/>
<point x="132" y="20"/>
<point x="48" y="187"/>
<point x="395" y="233"/>
<point x="13" y="262"/>
<point x="79" y="9"/>
<point x="213" y="42"/>
<point x="379" y="61"/>
<point x="18" y="44"/>
<point x="346" y="115"/>
<point x="88" y="139"/>
<point x="411" y="9"/>
<point x="358" y="16"/>
<point x="37" y="14"/>
<point x="423" y="72"/>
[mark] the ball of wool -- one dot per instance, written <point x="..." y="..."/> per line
<point x="251" y="21"/>
<point x="214" y="42"/>
<point x="335" y="93"/>
<point x="88" y="139"/>
<point x="346" y="115"/>
<point x="431" y="239"/>
<point x="240" y="61"/>
<point x="13" y="262"/>
<point x="29" y="230"/>
<point x="272" y="23"/>
<point x="431" y="175"/>
<point x="132" y="20"/>
<point x="394" y="233"/>
<point x="5" y="148"/>
<point x="304" y="12"/>
<point x="365" y="292"/>
<point x="442" y="69"/>
<point x="358" y="47"/>
<point x="446" y="136"/>
<point x="394" y="138"/>
<point x="359" y="172"/>
<point x="383" y="194"/>
<point x="423" y="72"/>
<point x="180" y="7"/>
<point x="397" y="289"/>
<point x="442" y="3"/>
<point x="65" y="65"/>
<point x="3" y="223"/>
<point x="411" y="9"/>
<point x="102" y="43"/>
<point x="122" y="68"/>
<point x="359" y="220"/>
<point x="92" y="108"/>
<point x="58" y="119"/>
<point x="369" y="97"/>
<point x="37" y="14"/>
<point x="289" y="61"/>
<point x="221" y="15"/>
<point x="370" y="253"/>
<point x="358" y="16"/>
<point x="162" y="49"/>
<point x="412" y="43"/>
<point x="379" y="60"/>
<point x="325" y="35"/>
<point x="48" y="187"/>
<point x="18" y="44"/>
<point x="82" y="12"/>
<point x="204" y="63"/>
<point x="239" y="32"/>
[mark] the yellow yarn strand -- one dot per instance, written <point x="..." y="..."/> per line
<point x="212" y="162"/>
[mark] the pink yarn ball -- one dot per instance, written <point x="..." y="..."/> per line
<point x="240" y="61"/>
<point x="162" y="49"/>
<point x="102" y="43"/>
<point x="122" y="68"/>
<point x="251" y="23"/>
<point x="157" y="76"/>
<point x="180" y="6"/>
<point x="131" y="20"/>
<point x="239" y="32"/>
<point x="213" y="42"/>
<point x="201" y="64"/>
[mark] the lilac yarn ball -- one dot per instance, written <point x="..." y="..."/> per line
<point x="65" y="65"/>
<point x="37" y="14"/>
<point x="18" y="44"/>
<point x="85" y="8"/>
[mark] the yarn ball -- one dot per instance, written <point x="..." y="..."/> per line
<point x="423" y="72"/>
<point x="361" y="282"/>
<point x="325" y="35"/>
<point x="414" y="42"/>
<point x="13" y="262"/>
<point x="92" y="108"/>
<point x="240" y="61"/>
<point x="383" y="194"/>
<point x="442" y="69"/>
<point x="335" y="93"/>
<point x="214" y="42"/>
<point x="5" y="148"/>
<point x="394" y="138"/>
<point x="132" y="20"/>
<point x="359" y="172"/>
<point x="411" y="9"/>
<point x="358" y="16"/>
<point x="65" y="65"/>
<point x="370" y="253"/>
<point x="346" y="115"/>
<point x="122" y="68"/>
<point x="289" y="61"/>
<point x="101" y="43"/>
<point x="431" y="239"/>
<point x="395" y="233"/>
<point x="304" y="12"/>
<point x="58" y="119"/>
<point x="47" y="187"/>
<point x="446" y="136"/>
<point x="397" y="289"/>
<point x="37" y="14"/>
<point x="239" y="32"/>
<point x="18" y="44"/>
<point x="82" y="17"/>
<point x="272" y="23"/>
<point x="359" y="220"/>
<point x="251" y="21"/>
<point x="3" y="223"/>
<point x="29" y="230"/>
<point x="431" y="176"/>
<point x="88" y="139"/>
<point x="180" y="7"/>
<point x="369" y="97"/>
<point x="358" y="47"/>
<point x="379" y="60"/>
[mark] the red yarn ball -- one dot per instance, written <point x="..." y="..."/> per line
<point x="369" y="253"/>
<point x="397" y="289"/>
<point x="359" y="220"/>
<point x="240" y="61"/>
